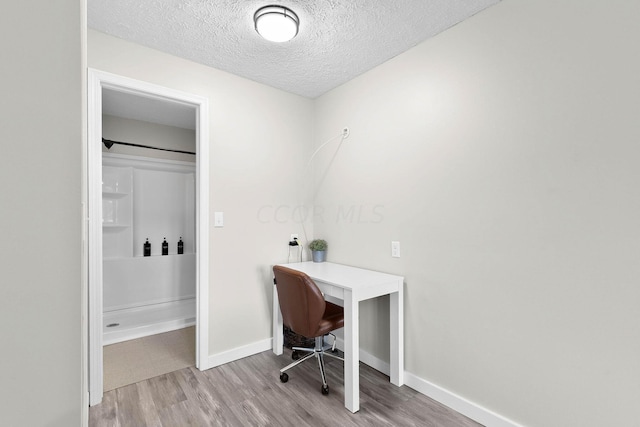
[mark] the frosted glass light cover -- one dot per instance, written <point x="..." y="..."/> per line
<point x="276" y="24"/>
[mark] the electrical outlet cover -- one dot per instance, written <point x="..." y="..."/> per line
<point x="395" y="249"/>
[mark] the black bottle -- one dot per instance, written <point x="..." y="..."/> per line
<point x="165" y="247"/>
<point x="147" y="248"/>
<point x="180" y="246"/>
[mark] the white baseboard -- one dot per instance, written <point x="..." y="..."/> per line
<point x="460" y="404"/>
<point x="237" y="353"/>
<point x="467" y="408"/>
<point x="368" y="359"/>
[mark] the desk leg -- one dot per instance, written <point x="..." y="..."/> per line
<point x="351" y="353"/>
<point x="396" y="328"/>
<point x="278" y="338"/>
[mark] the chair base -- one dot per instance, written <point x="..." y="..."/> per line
<point x="319" y="351"/>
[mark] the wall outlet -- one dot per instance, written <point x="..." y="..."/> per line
<point x="293" y="237"/>
<point x="395" y="249"/>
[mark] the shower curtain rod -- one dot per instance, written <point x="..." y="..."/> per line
<point x="109" y="143"/>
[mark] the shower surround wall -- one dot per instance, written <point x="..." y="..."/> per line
<point x="155" y="199"/>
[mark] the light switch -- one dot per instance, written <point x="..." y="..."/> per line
<point x="218" y="219"/>
<point x="395" y="249"/>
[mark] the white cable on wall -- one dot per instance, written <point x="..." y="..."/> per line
<point x="344" y="133"/>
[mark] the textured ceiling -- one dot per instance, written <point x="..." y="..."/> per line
<point x="337" y="41"/>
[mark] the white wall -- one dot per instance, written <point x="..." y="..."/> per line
<point x="41" y="131"/>
<point x="154" y="200"/>
<point x="503" y="154"/>
<point x="151" y="134"/>
<point x="257" y="133"/>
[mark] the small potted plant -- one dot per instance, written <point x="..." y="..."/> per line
<point x="318" y="250"/>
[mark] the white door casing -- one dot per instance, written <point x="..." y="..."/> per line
<point x="97" y="81"/>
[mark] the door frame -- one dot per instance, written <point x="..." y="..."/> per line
<point x="98" y="80"/>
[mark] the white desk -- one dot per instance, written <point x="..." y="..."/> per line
<point x="352" y="285"/>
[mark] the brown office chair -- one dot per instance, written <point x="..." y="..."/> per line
<point x="306" y="313"/>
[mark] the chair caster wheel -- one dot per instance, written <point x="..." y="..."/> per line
<point x="325" y="389"/>
<point x="284" y="378"/>
<point x="295" y="355"/>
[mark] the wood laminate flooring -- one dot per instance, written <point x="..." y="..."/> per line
<point x="248" y="392"/>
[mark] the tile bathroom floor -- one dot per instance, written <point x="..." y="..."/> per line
<point x="136" y="360"/>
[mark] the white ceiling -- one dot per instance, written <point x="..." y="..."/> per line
<point x="146" y="109"/>
<point x="337" y="41"/>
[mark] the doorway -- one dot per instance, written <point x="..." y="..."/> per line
<point x="141" y="94"/>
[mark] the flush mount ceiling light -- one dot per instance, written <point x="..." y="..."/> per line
<point x="276" y="23"/>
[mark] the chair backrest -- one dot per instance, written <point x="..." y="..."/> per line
<point x="301" y="302"/>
